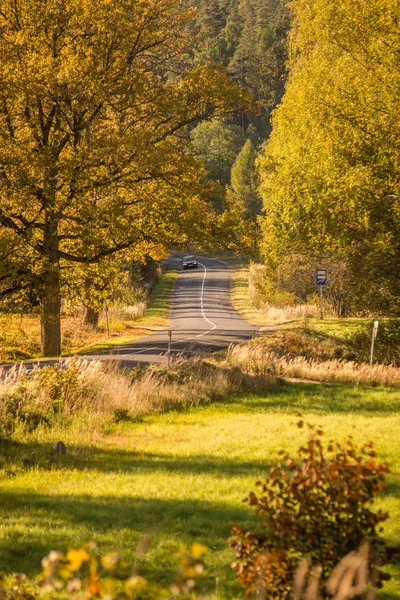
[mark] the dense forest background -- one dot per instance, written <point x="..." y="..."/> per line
<point x="264" y="126"/>
<point x="249" y="38"/>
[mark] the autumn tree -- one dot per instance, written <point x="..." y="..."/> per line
<point x="95" y="99"/>
<point x="330" y="173"/>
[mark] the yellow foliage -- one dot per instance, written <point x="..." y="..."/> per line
<point x="197" y="550"/>
<point x="96" y="97"/>
<point x="329" y="174"/>
<point x="76" y="558"/>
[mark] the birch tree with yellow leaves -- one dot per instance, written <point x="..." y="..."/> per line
<point x="95" y="100"/>
<point x="330" y="172"/>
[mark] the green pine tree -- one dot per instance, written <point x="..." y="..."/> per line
<point x="244" y="183"/>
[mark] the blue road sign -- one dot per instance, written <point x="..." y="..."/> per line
<point x="322" y="277"/>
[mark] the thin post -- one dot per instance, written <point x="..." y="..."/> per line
<point x="107" y="323"/>
<point x="373" y="338"/>
<point x="169" y="346"/>
<point x="321" y="311"/>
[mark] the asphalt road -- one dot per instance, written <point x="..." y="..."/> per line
<point x="202" y="319"/>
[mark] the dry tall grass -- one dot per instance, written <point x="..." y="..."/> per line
<point x="74" y="386"/>
<point x="118" y="315"/>
<point x="289" y="313"/>
<point x="256" y="357"/>
<point x="20" y="334"/>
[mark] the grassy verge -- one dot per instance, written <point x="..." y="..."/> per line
<point x="242" y="300"/>
<point x="289" y="318"/>
<point x="20" y="334"/>
<point x="335" y="344"/>
<point x="180" y="475"/>
<point x="157" y="311"/>
<point x="240" y="296"/>
<point x="265" y="355"/>
<point x="295" y="331"/>
<point x="340" y="329"/>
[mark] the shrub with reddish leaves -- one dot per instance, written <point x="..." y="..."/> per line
<point x="317" y="507"/>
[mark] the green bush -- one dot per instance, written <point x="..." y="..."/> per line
<point x="38" y="398"/>
<point x="387" y="344"/>
<point x="317" y="508"/>
<point x="18" y="409"/>
<point x="264" y="292"/>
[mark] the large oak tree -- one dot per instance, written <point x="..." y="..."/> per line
<point x="95" y="99"/>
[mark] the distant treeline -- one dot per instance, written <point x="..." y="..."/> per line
<point x="250" y="39"/>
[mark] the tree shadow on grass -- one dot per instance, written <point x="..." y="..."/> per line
<point x="24" y="456"/>
<point x="39" y="523"/>
<point x="33" y="523"/>
<point x="321" y="399"/>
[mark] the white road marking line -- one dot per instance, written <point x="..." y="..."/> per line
<point x="214" y="326"/>
<point x="202" y="299"/>
<point x="202" y="310"/>
<point x="140" y="351"/>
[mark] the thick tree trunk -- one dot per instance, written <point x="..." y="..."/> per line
<point x="91" y="317"/>
<point x="50" y="301"/>
<point x="50" y="296"/>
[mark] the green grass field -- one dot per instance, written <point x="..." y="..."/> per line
<point x="180" y="476"/>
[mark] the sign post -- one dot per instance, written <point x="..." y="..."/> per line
<point x="321" y="279"/>
<point x="374" y="334"/>
<point x="169" y="346"/>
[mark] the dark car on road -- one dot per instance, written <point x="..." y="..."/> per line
<point x="189" y="262"/>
